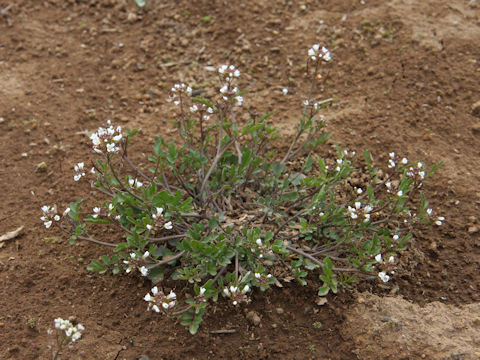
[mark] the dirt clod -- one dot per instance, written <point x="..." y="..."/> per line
<point x="253" y="318"/>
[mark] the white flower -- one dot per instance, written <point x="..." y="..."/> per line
<point x="156" y="308"/>
<point x="382" y="275"/>
<point x="155" y="290"/>
<point x="80" y="327"/>
<point x="359" y="191"/>
<point x="391" y="163"/>
<point x="259" y="242"/>
<point x="257" y="275"/>
<point x="368" y="208"/>
<point x="56" y="218"/>
<point x="392" y="155"/>
<point x="358" y="205"/>
<point x="193" y="108"/>
<point x="429" y="211"/>
<point x="222" y="69"/>
<point x="379" y="258"/>
<point x="165" y="305"/>
<point x="367" y="218"/>
<point x="388" y="185"/>
<point x="439" y="220"/>
<point x="67" y="210"/>
<point x="144" y="271"/>
<point x="239" y="100"/>
<point x="246" y="288"/>
<point x="405" y="161"/>
<point x="96" y="210"/>
<point x="76" y="336"/>
<point x="202" y="291"/>
<point x="168" y="225"/>
<point x="391" y="259"/>
<point x="285" y="91"/>
<point x="395" y="237"/>
<point x="159" y="211"/>
<point x="224" y="89"/>
<point x="47" y="224"/>
<point x="400" y="193"/>
<point x="149" y="227"/>
<point x="306" y="103"/>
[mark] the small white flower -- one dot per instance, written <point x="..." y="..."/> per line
<point x="67" y="210"/>
<point x="131" y="182"/>
<point x="257" y="275"/>
<point x="382" y="275"/>
<point x="202" y="291"/>
<point x="368" y="208"/>
<point x="285" y="91"/>
<point x="367" y="218"/>
<point x="359" y="191"/>
<point x="358" y="205"/>
<point x="429" y="211"/>
<point x="388" y="185"/>
<point x="239" y="100"/>
<point x="392" y="155"/>
<point x="391" y="259"/>
<point x="144" y="271"/>
<point x="405" y="161"/>
<point x="168" y="225"/>
<point x="96" y="211"/>
<point x="246" y="288"/>
<point x="149" y="227"/>
<point x="56" y="218"/>
<point x="233" y="289"/>
<point x="224" y="89"/>
<point x="155" y="290"/>
<point x="259" y="242"/>
<point x="156" y="308"/>
<point x="48" y="224"/>
<point x="165" y="305"/>
<point x="306" y="103"/>
<point x="378" y="258"/>
<point x="400" y="193"/>
<point x="193" y="108"/>
<point x="395" y="237"/>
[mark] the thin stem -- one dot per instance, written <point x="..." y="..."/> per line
<point x="168" y="259"/>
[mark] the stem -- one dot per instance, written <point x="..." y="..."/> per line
<point x="318" y="262"/>
<point x="88" y="238"/>
<point x="168" y="259"/>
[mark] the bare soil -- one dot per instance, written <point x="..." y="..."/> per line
<point x="405" y="77"/>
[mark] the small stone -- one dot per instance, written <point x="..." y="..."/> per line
<point x="473" y="229"/>
<point x="476" y="108"/>
<point x="279" y="311"/>
<point x="143" y="357"/>
<point x="371" y="70"/>
<point x="385" y="319"/>
<point x="253" y="318"/>
<point x="476" y="128"/>
<point x="132" y="17"/>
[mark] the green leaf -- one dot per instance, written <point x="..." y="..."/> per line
<point x="193" y="328"/>
<point x="323" y="291"/>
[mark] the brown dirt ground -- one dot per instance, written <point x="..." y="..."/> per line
<point x="405" y="73"/>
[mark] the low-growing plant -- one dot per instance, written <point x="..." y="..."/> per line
<point x="65" y="334"/>
<point x="222" y="211"/>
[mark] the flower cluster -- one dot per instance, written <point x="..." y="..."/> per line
<point x="49" y="215"/>
<point x="135" y="183"/>
<point x="107" y="139"/>
<point x="159" y="221"/>
<point x="79" y="171"/>
<point x="177" y="92"/>
<point x="158" y="300"/>
<point x="388" y="265"/>
<point x="204" y="111"/>
<point x="316" y="53"/>
<point x="228" y="90"/>
<point x="238" y="296"/>
<point x="354" y="212"/>
<point x="137" y="262"/>
<point x="73" y="333"/>
<point x="262" y="279"/>
<point x="395" y="159"/>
